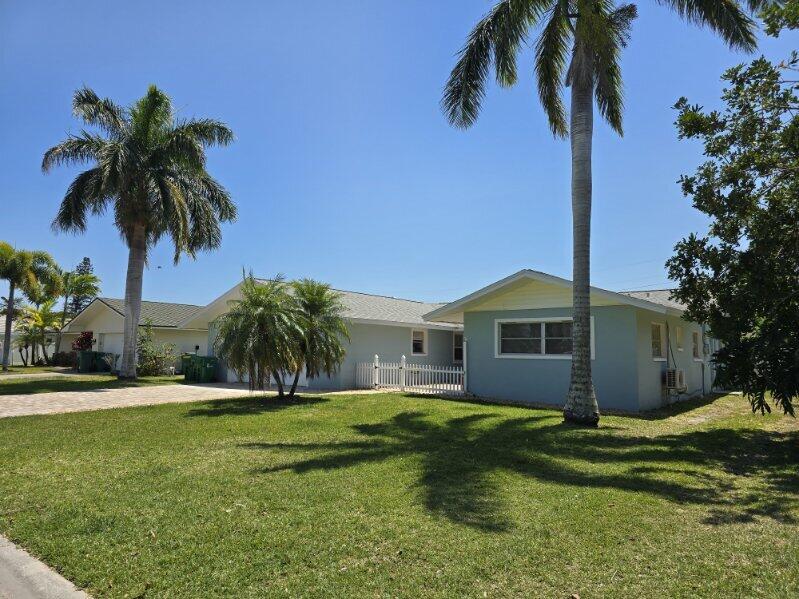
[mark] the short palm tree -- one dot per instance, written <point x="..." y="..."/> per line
<point x="321" y="318"/>
<point x="149" y="169"/>
<point x="579" y="46"/>
<point x="73" y="285"/>
<point x="258" y="335"/>
<point x="25" y="271"/>
<point x="41" y="322"/>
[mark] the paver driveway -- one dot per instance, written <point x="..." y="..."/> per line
<point x="101" y="399"/>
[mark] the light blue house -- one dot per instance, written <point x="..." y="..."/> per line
<point x="517" y="335"/>
<point x="378" y="325"/>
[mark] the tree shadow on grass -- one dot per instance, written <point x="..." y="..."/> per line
<point x="249" y="406"/>
<point x="738" y="475"/>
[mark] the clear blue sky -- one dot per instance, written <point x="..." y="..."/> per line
<point x="344" y="168"/>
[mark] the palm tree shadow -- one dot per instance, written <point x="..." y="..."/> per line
<point x="250" y="406"/>
<point x="460" y="456"/>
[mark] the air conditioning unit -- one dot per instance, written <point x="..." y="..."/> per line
<point x="675" y="379"/>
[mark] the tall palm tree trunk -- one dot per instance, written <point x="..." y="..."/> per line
<point x="295" y="382"/>
<point x="581" y="405"/>
<point x="9" y="322"/>
<point x="133" y="285"/>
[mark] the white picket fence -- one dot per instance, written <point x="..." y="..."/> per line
<point x="410" y="378"/>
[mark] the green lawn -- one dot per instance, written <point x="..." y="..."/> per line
<point x="385" y="495"/>
<point x="30" y="370"/>
<point x="79" y="382"/>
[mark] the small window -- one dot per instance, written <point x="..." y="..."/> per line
<point x="696" y="340"/>
<point x="520" y="338"/>
<point x="658" y="341"/>
<point x="457" y="347"/>
<point x="419" y="343"/>
<point x="678" y="335"/>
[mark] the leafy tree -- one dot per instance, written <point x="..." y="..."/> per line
<point x="579" y="45"/>
<point x="320" y="315"/>
<point x="80" y="301"/>
<point x="84" y="341"/>
<point x="149" y="169"/>
<point x="74" y="285"/>
<point x="26" y="271"/>
<point x="258" y="336"/>
<point x="780" y="15"/>
<point x="742" y="276"/>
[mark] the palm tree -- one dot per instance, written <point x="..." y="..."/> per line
<point x="74" y="284"/>
<point x="24" y="270"/>
<point x="579" y="46"/>
<point x="258" y="336"/>
<point x="321" y="319"/>
<point x="40" y="321"/>
<point x="149" y="169"/>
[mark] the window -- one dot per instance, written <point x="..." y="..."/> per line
<point x="695" y="339"/>
<point x="535" y="338"/>
<point x="658" y="341"/>
<point x="457" y="347"/>
<point x="678" y="335"/>
<point x="419" y="343"/>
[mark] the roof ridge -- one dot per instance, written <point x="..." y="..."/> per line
<point x="647" y="290"/>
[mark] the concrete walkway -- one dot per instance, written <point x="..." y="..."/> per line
<point x="22" y="576"/>
<point x="102" y="399"/>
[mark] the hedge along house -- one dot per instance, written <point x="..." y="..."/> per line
<point x="105" y="318"/>
<point x="378" y="325"/>
<point x="518" y="344"/>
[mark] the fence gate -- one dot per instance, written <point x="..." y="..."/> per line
<point x="411" y="378"/>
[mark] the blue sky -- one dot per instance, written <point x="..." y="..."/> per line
<point x="344" y="168"/>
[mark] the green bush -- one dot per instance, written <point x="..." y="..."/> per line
<point x="154" y="358"/>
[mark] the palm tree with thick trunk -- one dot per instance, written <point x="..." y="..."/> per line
<point x="74" y="284"/>
<point x="149" y="168"/>
<point x="578" y="45"/>
<point x="25" y="271"/>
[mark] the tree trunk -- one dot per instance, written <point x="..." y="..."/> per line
<point x="9" y="322"/>
<point x="278" y="382"/>
<point x="63" y="320"/>
<point x="133" y="285"/>
<point x="581" y="405"/>
<point x="296" y="381"/>
<point x="24" y="358"/>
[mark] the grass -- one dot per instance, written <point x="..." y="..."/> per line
<point x="387" y="495"/>
<point x="79" y="382"/>
<point x="30" y="370"/>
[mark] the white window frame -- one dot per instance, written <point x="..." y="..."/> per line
<point x="663" y="341"/>
<point x="454" y="333"/>
<point x="696" y="345"/>
<point x="424" y="342"/>
<point x="541" y="356"/>
<point x="679" y="338"/>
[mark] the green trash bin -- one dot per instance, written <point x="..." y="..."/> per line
<point x="185" y="365"/>
<point x="86" y="361"/>
<point x="207" y="370"/>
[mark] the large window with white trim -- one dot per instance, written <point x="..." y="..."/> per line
<point x="532" y="338"/>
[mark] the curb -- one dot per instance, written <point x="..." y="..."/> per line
<point x="22" y="576"/>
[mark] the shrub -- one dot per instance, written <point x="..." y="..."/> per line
<point x="65" y="358"/>
<point x="154" y="358"/>
<point x="84" y="341"/>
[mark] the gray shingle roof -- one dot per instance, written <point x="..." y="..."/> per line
<point x="656" y="296"/>
<point x="161" y="314"/>
<point x="366" y="306"/>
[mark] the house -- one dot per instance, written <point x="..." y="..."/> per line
<point x="387" y="326"/>
<point x="517" y="335"/>
<point x="105" y="318"/>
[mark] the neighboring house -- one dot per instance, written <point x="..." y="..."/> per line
<point x="518" y="343"/>
<point x="105" y="318"/>
<point x="386" y="326"/>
